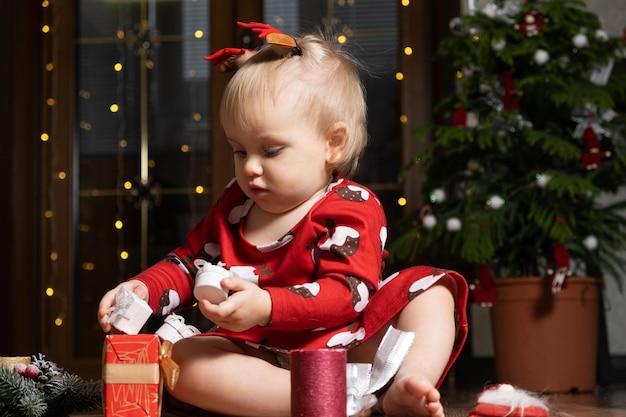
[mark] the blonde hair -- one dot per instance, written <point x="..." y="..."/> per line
<point x="325" y="80"/>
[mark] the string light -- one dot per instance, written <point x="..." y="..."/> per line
<point x="402" y="201"/>
<point x="55" y="213"/>
<point x="399" y="76"/>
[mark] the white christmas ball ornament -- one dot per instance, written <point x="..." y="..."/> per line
<point x="490" y="10"/>
<point x="498" y="44"/>
<point x="580" y="40"/>
<point x="495" y="202"/>
<point x="601" y="35"/>
<point x="590" y="242"/>
<point x="429" y="221"/>
<point x="438" y="196"/>
<point x="453" y="224"/>
<point x="458" y="27"/>
<point x="541" y="56"/>
<point x="543" y="180"/>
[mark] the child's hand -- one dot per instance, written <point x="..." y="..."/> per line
<point x="247" y="306"/>
<point x="108" y="300"/>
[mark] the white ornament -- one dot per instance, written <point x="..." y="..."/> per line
<point x="601" y="35"/>
<point x="429" y="221"/>
<point x="498" y="44"/>
<point x="543" y="180"/>
<point x="458" y="27"/>
<point x="580" y="40"/>
<point x="541" y="56"/>
<point x="590" y="242"/>
<point x="495" y="202"/>
<point x="453" y="224"/>
<point x="438" y="195"/>
<point x="490" y="10"/>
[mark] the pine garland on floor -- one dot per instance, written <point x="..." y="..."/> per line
<point x="42" y="389"/>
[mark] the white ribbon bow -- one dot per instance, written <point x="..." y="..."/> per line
<point x="364" y="379"/>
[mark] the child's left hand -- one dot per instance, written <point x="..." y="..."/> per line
<point x="247" y="306"/>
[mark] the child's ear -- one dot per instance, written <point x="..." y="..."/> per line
<point x="336" y="141"/>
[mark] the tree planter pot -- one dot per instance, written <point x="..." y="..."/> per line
<point x="546" y="342"/>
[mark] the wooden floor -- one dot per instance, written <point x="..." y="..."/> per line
<point x="605" y="402"/>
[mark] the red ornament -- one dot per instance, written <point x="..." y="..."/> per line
<point x="484" y="290"/>
<point x="462" y="117"/>
<point x="592" y="157"/>
<point x="561" y="269"/>
<point x="532" y="25"/>
<point x="510" y="97"/>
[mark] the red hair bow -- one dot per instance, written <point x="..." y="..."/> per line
<point x="226" y="59"/>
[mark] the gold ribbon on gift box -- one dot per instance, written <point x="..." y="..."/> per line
<point x="170" y="368"/>
<point x="144" y="373"/>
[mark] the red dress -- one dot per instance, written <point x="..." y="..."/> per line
<point x="324" y="276"/>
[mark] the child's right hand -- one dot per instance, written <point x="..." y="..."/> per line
<point x="108" y="300"/>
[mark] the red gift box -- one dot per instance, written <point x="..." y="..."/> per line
<point x="131" y="375"/>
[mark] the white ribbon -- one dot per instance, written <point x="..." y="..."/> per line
<point x="124" y="301"/>
<point x="178" y="323"/>
<point x="505" y="13"/>
<point x="364" y="379"/>
<point x="591" y="117"/>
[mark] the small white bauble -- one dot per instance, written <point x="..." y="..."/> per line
<point x="490" y="10"/>
<point x="580" y="40"/>
<point x="541" y="56"/>
<point x="495" y="202"/>
<point x="590" y="242"/>
<point x="498" y="44"/>
<point x="543" y="180"/>
<point x="429" y="221"/>
<point x="453" y="224"/>
<point x="458" y="27"/>
<point x="438" y="195"/>
<point x="601" y="35"/>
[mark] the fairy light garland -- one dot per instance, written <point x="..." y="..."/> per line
<point x="57" y="304"/>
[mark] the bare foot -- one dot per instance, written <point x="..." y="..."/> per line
<point x="412" y="396"/>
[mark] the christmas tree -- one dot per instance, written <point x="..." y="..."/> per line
<point x="518" y="182"/>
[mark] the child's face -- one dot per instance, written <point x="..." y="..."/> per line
<point x="280" y="159"/>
